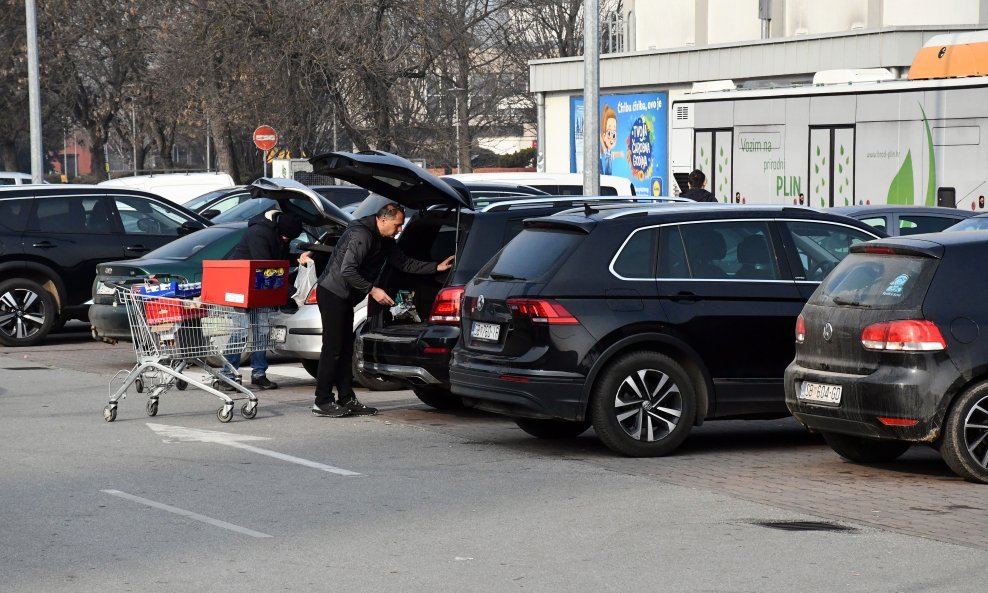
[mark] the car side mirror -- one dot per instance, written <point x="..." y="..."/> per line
<point x="190" y="226"/>
<point x="210" y="214"/>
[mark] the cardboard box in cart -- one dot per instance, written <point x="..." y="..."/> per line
<point x="245" y="283"/>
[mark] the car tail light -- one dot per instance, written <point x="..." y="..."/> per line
<point x="904" y="335"/>
<point x="542" y="311"/>
<point x="897" y="421"/>
<point x="879" y="250"/>
<point x="311" y="299"/>
<point x="446" y="308"/>
<point x="800" y="329"/>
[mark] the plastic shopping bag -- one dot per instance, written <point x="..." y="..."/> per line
<point x="305" y="281"/>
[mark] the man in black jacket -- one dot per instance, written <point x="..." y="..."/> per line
<point x="697" y="192"/>
<point x="360" y="254"/>
<point x="268" y="236"/>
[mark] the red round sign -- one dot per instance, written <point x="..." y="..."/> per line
<point x="265" y="137"/>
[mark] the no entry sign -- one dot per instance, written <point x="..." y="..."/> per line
<point x="265" y="137"/>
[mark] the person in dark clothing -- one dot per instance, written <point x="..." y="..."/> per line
<point x="268" y="236"/>
<point x="697" y="192"/>
<point x="360" y="254"/>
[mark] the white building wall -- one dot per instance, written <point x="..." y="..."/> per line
<point x="941" y="12"/>
<point x="664" y="23"/>
<point x="557" y="133"/>
<point x="732" y="20"/>
<point x="808" y="17"/>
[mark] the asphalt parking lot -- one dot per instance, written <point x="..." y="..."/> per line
<point x="414" y="499"/>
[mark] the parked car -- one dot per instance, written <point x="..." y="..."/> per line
<point x="556" y="184"/>
<point x="341" y="195"/>
<point x="14" y="178"/>
<point x="392" y="353"/>
<point x="890" y="351"/>
<point x="182" y="259"/>
<point x="176" y="187"/>
<point x="52" y="237"/>
<point x="212" y="204"/>
<point x="644" y="321"/>
<point x="897" y="221"/>
<point x="975" y="223"/>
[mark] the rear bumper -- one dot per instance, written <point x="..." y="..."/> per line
<point x="912" y="393"/>
<point x="303" y="331"/>
<point x="519" y="393"/>
<point x="109" y="322"/>
<point x="417" y="359"/>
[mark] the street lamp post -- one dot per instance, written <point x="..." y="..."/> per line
<point x="133" y="125"/>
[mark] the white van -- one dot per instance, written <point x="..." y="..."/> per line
<point x="556" y="184"/>
<point x="14" y="178"/>
<point x="177" y="187"/>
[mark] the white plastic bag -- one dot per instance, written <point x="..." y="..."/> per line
<point x="305" y="280"/>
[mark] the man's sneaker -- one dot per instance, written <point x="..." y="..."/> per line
<point x="358" y="409"/>
<point x="330" y="410"/>
<point x="224" y="386"/>
<point x="263" y="382"/>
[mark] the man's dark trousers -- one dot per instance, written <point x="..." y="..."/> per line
<point x="335" y="361"/>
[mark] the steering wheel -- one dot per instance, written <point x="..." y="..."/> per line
<point x="820" y="270"/>
<point x="149" y="225"/>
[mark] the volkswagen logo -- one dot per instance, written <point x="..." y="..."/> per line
<point x="480" y="303"/>
<point x="828" y="331"/>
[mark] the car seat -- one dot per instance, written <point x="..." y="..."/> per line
<point x="703" y="248"/>
<point x="98" y="220"/>
<point x="753" y="255"/>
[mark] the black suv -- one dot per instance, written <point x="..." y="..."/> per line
<point x="412" y="352"/>
<point x="890" y="352"/>
<point x="52" y="237"/>
<point x="643" y="321"/>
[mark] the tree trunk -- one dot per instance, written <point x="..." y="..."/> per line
<point x="165" y="144"/>
<point x="8" y="155"/>
<point x="220" y="130"/>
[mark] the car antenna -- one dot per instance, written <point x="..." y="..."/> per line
<point x="588" y="210"/>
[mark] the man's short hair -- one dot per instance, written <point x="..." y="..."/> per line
<point x="390" y="210"/>
<point x="697" y="178"/>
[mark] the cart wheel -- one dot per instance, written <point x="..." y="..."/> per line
<point x="225" y="414"/>
<point x="139" y="385"/>
<point x="249" y="410"/>
<point x="182" y="385"/>
<point x="110" y="413"/>
<point x="152" y="407"/>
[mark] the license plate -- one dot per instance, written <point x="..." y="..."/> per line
<point x="488" y="332"/>
<point x="277" y="334"/>
<point x="819" y="392"/>
<point x="103" y="289"/>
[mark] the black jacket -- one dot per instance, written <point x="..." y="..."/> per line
<point x="698" y="194"/>
<point x="358" y="258"/>
<point x="261" y="241"/>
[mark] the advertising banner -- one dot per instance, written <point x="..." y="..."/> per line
<point x="633" y="140"/>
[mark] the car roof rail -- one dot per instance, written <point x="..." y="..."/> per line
<point x="579" y="202"/>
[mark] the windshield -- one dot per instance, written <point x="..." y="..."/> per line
<point x="532" y="253"/>
<point x="976" y="223"/>
<point x="246" y="210"/>
<point x="195" y="203"/>
<point x="206" y="242"/>
<point x="876" y="281"/>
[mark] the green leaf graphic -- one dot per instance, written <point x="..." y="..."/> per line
<point x="931" y="176"/>
<point x="818" y="151"/>
<point x="901" y="188"/>
<point x="815" y="167"/>
<point x="840" y="168"/>
<point x="842" y="150"/>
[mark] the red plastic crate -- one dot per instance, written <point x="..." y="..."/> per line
<point x="245" y="283"/>
<point x="166" y="310"/>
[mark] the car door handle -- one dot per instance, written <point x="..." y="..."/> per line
<point x="137" y="248"/>
<point x="684" y="296"/>
<point x="44" y="245"/>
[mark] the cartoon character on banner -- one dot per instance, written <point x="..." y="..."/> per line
<point x="608" y="140"/>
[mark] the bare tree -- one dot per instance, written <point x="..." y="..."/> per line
<point x="13" y="81"/>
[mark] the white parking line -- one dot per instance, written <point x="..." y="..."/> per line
<point x="292" y="370"/>
<point x="184" y="513"/>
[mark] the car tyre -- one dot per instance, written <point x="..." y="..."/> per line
<point x="965" y="435"/>
<point x="438" y="398"/>
<point x="643" y="405"/>
<point x="552" y="429"/>
<point x="37" y="308"/>
<point x="865" y="450"/>
<point x="311" y="367"/>
<point x="374" y="383"/>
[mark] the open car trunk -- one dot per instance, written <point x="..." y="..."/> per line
<point x="431" y="237"/>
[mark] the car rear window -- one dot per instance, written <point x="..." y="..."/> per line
<point x="531" y="254"/>
<point x="876" y="281"/>
<point x="14" y="213"/>
<point x="189" y="245"/>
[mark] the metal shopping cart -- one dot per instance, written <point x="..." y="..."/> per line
<point x="172" y="336"/>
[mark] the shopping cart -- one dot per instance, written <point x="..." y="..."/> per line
<point x="173" y="336"/>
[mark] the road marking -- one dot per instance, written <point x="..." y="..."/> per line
<point x="185" y="513"/>
<point x="189" y="435"/>
<point x="293" y="371"/>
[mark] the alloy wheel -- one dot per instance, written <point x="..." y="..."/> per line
<point x="648" y="405"/>
<point x="976" y="432"/>
<point x="22" y="313"/>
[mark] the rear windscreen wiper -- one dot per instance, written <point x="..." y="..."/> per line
<point x="841" y="301"/>
<point x="496" y="276"/>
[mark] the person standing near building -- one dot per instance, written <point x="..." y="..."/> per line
<point x="267" y="238"/>
<point x="360" y="254"/>
<point x="697" y="191"/>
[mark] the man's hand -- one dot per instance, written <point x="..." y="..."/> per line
<point x="380" y="296"/>
<point x="445" y="264"/>
<point x="305" y="257"/>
